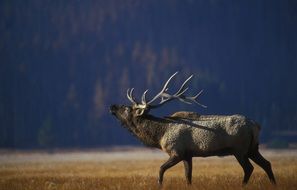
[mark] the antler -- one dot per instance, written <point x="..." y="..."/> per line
<point x="166" y="97"/>
<point x="130" y="96"/>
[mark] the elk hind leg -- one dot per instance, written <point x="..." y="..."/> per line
<point x="263" y="163"/>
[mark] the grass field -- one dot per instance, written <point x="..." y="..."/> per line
<point x="135" y="169"/>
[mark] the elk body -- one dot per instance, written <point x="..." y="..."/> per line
<point x="185" y="135"/>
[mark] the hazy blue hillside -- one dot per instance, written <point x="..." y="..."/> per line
<point x="63" y="63"/>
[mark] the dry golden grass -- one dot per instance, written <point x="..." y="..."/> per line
<point x="136" y="170"/>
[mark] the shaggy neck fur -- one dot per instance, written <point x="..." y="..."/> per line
<point x="148" y="129"/>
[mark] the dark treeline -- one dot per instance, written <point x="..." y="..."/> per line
<point x="64" y="62"/>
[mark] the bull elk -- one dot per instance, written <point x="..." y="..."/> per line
<point x="184" y="135"/>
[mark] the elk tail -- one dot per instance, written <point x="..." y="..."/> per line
<point x="256" y="132"/>
<point x="254" y="137"/>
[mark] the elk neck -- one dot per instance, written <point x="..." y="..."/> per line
<point x="148" y="129"/>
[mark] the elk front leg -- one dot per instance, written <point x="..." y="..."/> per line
<point x="246" y="166"/>
<point x="173" y="160"/>
<point x="188" y="169"/>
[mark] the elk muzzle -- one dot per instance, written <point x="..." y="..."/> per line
<point x="113" y="109"/>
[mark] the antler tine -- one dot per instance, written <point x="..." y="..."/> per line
<point x="193" y="99"/>
<point x="143" y="97"/>
<point x="199" y="93"/>
<point x="181" y="93"/>
<point x="130" y="95"/>
<point x="127" y="94"/>
<point x="182" y="86"/>
<point x="163" y="89"/>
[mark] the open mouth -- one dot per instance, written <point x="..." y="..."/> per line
<point x="112" y="110"/>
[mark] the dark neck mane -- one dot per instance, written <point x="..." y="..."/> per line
<point x="148" y="129"/>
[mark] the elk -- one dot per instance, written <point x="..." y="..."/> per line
<point x="185" y="135"/>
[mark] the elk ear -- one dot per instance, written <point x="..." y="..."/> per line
<point x="139" y="112"/>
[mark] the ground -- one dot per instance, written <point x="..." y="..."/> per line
<point x="135" y="169"/>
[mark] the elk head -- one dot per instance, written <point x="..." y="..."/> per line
<point x="139" y="109"/>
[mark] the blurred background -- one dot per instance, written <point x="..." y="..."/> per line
<point x="63" y="63"/>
